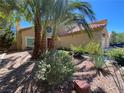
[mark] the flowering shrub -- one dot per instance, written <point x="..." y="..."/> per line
<point x="55" y="67"/>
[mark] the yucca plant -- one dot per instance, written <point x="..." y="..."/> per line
<point x="99" y="61"/>
<point x="95" y="51"/>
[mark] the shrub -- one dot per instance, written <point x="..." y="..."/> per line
<point x="65" y="49"/>
<point x="90" y="48"/>
<point x="117" y="54"/>
<point x="6" y="39"/>
<point x="55" y="67"/>
<point x="6" y="34"/>
<point x="99" y="61"/>
<point x="78" y="49"/>
<point x="93" y="48"/>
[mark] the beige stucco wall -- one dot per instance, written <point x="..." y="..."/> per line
<point x="105" y="38"/>
<point x="27" y="33"/>
<point x="76" y="39"/>
<point x="23" y="33"/>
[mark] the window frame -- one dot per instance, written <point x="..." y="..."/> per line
<point x="26" y="43"/>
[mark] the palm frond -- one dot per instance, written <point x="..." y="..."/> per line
<point x="84" y="8"/>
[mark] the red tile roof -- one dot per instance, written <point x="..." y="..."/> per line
<point x="77" y="28"/>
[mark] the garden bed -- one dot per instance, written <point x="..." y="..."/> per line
<point x="19" y="78"/>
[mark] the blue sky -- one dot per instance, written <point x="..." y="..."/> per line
<point x="112" y="10"/>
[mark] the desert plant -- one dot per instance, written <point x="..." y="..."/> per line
<point x="117" y="54"/>
<point x="93" y="48"/>
<point x="90" y="48"/>
<point x="78" y="49"/>
<point x="98" y="61"/>
<point x="95" y="51"/>
<point x="55" y="67"/>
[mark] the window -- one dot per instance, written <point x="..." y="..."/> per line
<point x="29" y="42"/>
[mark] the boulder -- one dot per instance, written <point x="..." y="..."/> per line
<point x="82" y="86"/>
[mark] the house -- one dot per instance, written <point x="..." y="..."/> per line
<point x="67" y="36"/>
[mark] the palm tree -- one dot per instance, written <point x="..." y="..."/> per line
<point x="43" y="13"/>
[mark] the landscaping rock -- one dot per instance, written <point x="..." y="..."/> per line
<point x="122" y="70"/>
<point x="89" y="74"/>
<point x="82" y="86"/>
<point x="85" y="66"/>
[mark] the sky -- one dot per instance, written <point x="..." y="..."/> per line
<point x="112" y="10"/>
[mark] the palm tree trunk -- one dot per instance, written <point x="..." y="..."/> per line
<point x="43" y="43"/>
<point x="37" y="41"/>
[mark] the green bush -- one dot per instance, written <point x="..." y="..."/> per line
<point x="6" y="34"/>
<point x="6" y="39"/>
<point x="78" y="49"/>
<point x="63" y="48"/>
<point x="98" y="61"/>
<point x="96" y="52"/>
<point x="55" y="67"/>
<point x="93" y="48"/>
<point x="117" y="54"/>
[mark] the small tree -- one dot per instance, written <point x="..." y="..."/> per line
<point x="113" y="38"/>
<point x="6" y="34"/>
<point x="116" y="38"/>
<point x="6" y="39"/>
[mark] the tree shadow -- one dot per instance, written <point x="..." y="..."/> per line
<point x="8" y="60"/>
<point x="16" y="78"/>
<point x="80" y="61"/>
<point x="15" y="59"/>
<point x="99" y="90"/>
<point x="19" y="79"/>
<point x="103" y="72"/>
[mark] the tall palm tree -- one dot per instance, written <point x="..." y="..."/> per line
<point x="71" y="16"/>
<point x="43" y="13"/>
